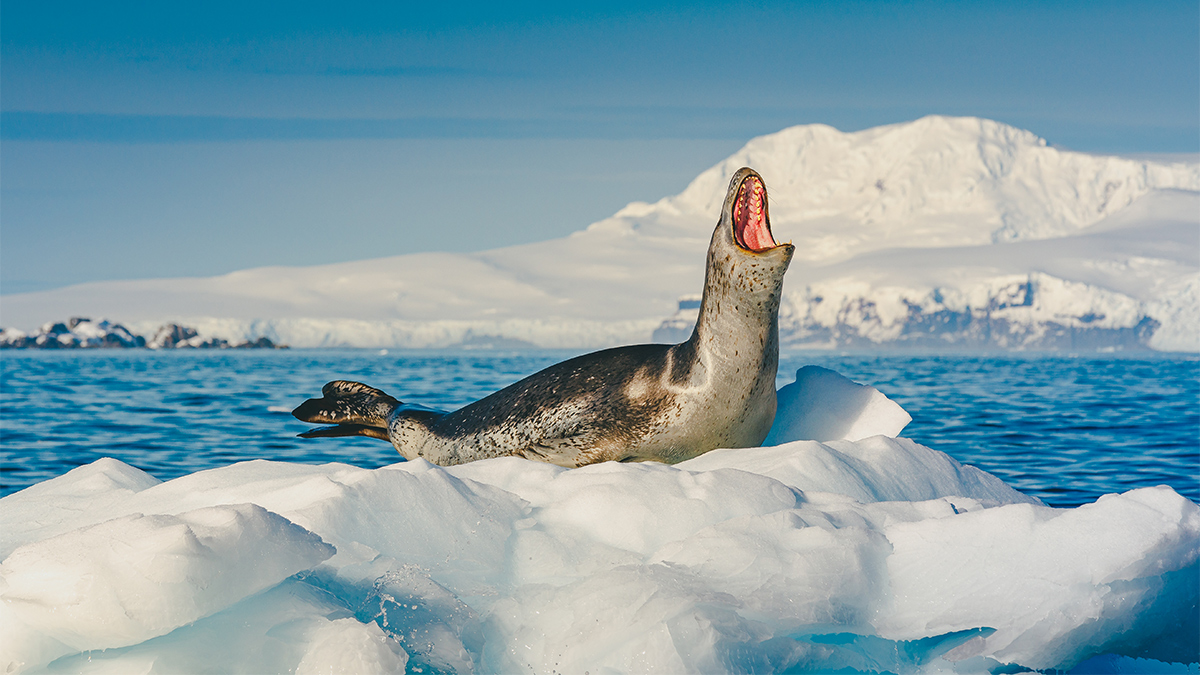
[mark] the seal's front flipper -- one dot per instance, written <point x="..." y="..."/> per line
<point x="569" y="451"/>
<point x="356" y="409"/>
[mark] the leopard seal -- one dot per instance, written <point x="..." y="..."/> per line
<point x="651" y="402"/>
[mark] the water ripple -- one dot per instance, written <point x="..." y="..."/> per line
<point x="1067" y="429"/>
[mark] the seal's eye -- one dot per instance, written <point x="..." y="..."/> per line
<point x="750" y="227"/>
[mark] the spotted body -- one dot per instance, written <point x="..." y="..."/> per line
<point x="653" y="402"/>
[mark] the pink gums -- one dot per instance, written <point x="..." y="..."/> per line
<point x="750" y="217"/>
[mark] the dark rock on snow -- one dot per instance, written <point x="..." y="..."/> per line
<point x="82" y="333"/>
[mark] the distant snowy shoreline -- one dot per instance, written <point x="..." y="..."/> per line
<point x="986" y="331"/>
<point x="81" y="333"/>
<point x="940" y="232"/>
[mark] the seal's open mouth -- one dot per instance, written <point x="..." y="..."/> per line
<point x="750" y="226"/>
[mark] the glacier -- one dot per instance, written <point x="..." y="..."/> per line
<point x="842" y="548"/>
<point x="943" y="232"/>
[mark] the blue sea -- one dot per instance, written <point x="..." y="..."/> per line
<point x="1065" y="428"/>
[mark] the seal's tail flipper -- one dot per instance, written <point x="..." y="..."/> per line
<point x="338" y="430"/>
<point x="355" y="409"/>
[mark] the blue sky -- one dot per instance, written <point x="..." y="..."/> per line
<point x="173" y="139"/>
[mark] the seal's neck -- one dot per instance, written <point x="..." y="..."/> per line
<point x="737" y="332"/>
<point x="732" y="328"/>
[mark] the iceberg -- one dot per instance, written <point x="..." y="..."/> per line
<point x="849" y="553"/>
<point x="821" y="405"/>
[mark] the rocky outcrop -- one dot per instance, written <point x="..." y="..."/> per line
<point x="175" y="336"/>
<point x="75" y="333"/>
<point x="679" y="327"/>
<point x="82" y="333"/>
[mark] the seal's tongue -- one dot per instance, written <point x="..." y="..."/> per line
<point x="750" y="216"/>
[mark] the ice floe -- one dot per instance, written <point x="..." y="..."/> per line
<point x="866" y="554"/>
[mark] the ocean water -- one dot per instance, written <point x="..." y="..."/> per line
<point x="1064" y="428"/>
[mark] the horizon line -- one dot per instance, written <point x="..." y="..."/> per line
<point x="635" y="124"/>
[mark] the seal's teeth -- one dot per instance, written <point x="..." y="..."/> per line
<point x="750" y="228"/>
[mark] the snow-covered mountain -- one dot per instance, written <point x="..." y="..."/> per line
<point x="940" y="231"/>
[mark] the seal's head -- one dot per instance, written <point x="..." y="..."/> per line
<point x="743" y="250"/>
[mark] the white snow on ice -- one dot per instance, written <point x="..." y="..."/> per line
<point x="862" y="555"/>
<point x="893" y="225"/>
